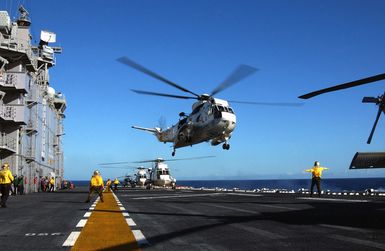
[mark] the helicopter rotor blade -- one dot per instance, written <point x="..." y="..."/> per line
<point x="295" y="104"/>
<point x="162" y="94"/>
<point x="370" y="100"/>
<point x="113" y="163"/>
<point x="344" y="86"/>
<point x="119" y="167"/>
<point x="202" y="157"/>
<point x="136" y="66"/>
<point x="380" y="108"/>
<point x="241" y="72"/>
<point x="162" y="160"/>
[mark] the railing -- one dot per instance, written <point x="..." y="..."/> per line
<point x="31" y="96"/>
<point x="13" y="113"/>
<point x="30" y="154"/>
<point x="21" y="45"/>
<point x="8" y="142"/>
<point x="8" y="112"/>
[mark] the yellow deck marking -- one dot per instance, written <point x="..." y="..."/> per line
<point x="106" y="229"/>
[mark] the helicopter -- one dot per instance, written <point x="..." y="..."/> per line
<point x="159" y="173"/>
<point x="211" y="119"/>
<point x="379" y="101"/>
<point x="140" y="176"/>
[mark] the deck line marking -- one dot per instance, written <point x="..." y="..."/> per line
<point x="331" y="199"/>
<point x="125" y="214"/>
<point x="354" y="229"/>
<point x="246" y="194"/>
<point x="257" y="231"/>
<point x="71" y="239"/>
<point x="233" y="208"/>
<point x="82" y="223"/>
<point x="122" y="209"/>
<point x="130" y="222"/>
<point x="92" y="208"/>
<point x="140" y="239"/>
<point x="358" y="241"/>
<point x="279" y="207"/>
<point x="86" y="215"/>
<point x="177" y="196"/>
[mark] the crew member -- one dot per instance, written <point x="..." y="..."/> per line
<point x="6" y="180"/>
<point x="316" y="177"/>
<point x="96" y="185"/>
<point x="108" y="185"/>
<point x="52" y="184"/>
<point x="116" y="183"/>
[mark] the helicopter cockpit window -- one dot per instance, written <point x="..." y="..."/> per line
<point x="182" y="122"/>
<point x="231" y="110"/>
<point x="197" y="109"/>
<point x="221" y="108"/>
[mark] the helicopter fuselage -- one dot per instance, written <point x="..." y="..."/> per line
<point x="210" y="120"/>
<point x="160" y="176"/>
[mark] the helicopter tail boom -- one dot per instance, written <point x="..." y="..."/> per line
<point x="152" y="130"/>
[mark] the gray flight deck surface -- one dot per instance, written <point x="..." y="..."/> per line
<point x="205" y="220"/>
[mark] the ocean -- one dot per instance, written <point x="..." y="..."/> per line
<point x="337" y="185"/>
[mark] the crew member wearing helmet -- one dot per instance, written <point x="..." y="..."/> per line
<point x="116" y="183"/>
<point x="96" y="185"/>
<point x="316" y="177"/>
<point x="6" y="180"/>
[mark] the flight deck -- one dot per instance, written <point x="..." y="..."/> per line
<point x="166" y="219"/>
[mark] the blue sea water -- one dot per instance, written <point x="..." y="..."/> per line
<point x="356" y="184"/>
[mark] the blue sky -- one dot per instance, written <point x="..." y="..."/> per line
<point x="298" y="47"/>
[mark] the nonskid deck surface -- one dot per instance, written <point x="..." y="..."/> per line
<point x="194" y="220"/>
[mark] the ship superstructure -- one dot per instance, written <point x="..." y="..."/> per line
<point x="31" y="112"/>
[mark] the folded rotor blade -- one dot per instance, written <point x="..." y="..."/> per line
<point x="136" y="66"/>
<point x="375" y="124"/>
<point x="162" y="94"/>
<point x="239" y="73"/>
<point x="267" y="103"/>
<point x="344" y="86"/>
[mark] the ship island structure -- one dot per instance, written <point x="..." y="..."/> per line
<point x="31" y="112"/>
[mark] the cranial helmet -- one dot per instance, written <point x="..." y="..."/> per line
<point x="96" y="172"/>
<point x="316" y="163"/>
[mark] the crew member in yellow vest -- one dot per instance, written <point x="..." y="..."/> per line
<point x="96" y="185"/>
<point x="116" y="183"/>
<point x="108" y="185"/>
<point x="52" y="184"/>
<point x="6" y="180"/>
<point x="316" y="177"/>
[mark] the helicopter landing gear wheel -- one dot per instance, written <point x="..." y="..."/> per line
<point x="226" y="146"/>
<point x="173" y="153"/>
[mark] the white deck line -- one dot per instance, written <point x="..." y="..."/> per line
<point x="86" y="215"/>
<point x="82" y="223"/>
<point x="358" y="241"/>
<point x="70" y="242"/>
<point x="122" y="209"/>
<point x="130" y="222"/>
<point x="125" y="214"/>
<point x="178" y="196"/>
<point x="92" y="208"/>
<point x="331" y="199"/>
<point x="139" y="237"/>
<point x="354" y="229"/>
